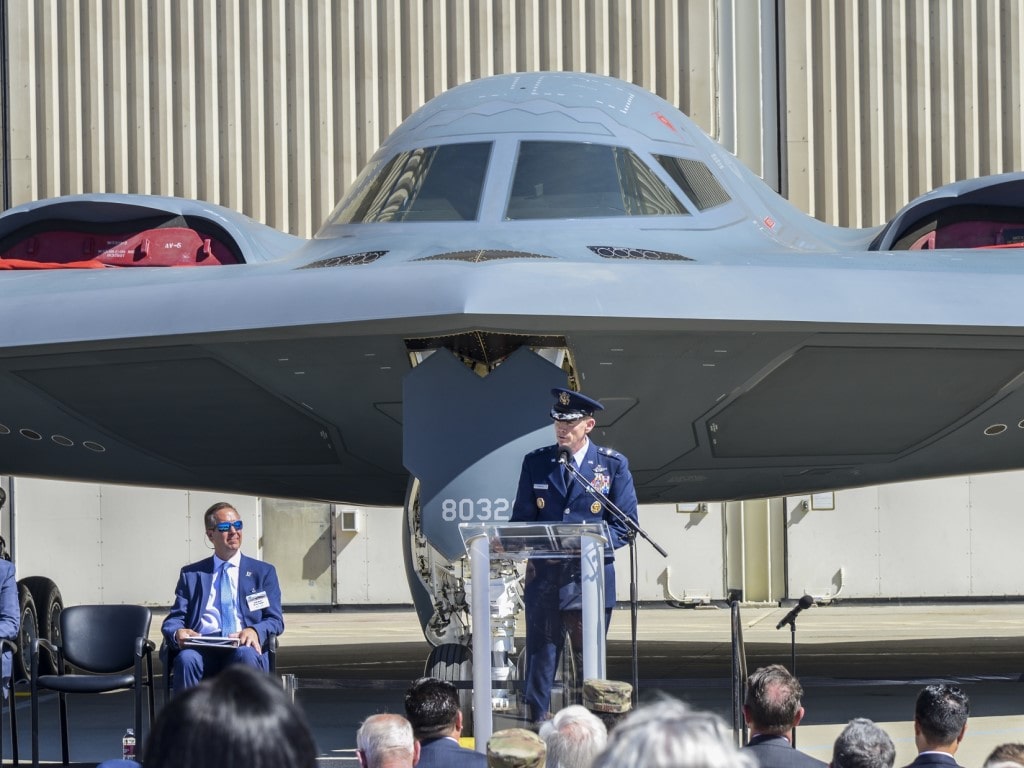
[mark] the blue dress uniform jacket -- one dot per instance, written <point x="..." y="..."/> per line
<point x="553" y="586"/>
<point x="543" y="497"/>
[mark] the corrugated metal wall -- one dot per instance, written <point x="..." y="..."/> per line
<point x="272" y="106"/>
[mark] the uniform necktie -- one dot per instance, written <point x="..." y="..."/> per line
<point x="228" y="622"/>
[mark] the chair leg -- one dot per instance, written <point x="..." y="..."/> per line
<point x="138" y="719"/>
<point x="14" y="720"/>
<point x="35" y="724"/>
<point x="64" y="751"/>
<point x="149" y="684"/>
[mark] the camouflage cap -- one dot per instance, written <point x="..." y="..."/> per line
<point x="607" y="695"/>
<point x="516" y="748"/>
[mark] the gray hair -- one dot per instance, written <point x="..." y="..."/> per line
<point x="1009" y="755"/>
<point x="667" y="734"/>
<point x="385" y="737"/>
<point x="862" y="744"/>
<point x="573" y="736"/>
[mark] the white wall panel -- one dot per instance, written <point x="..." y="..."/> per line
<point x="996" y="533"/>
<point x="834" y="552"/>
<point x="115" y="544"/>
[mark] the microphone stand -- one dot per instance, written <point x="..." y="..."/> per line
<point x="632" y="529"/>
<point x="790" y="618"/>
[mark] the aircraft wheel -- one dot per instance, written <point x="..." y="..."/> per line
<point x="454" y="663"/>
<point x="29" y="631"/>
<point x="49" y="605"/>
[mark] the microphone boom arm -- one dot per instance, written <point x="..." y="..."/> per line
<point x="607" y="503"/>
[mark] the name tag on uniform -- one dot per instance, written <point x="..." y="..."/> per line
<point x="257" y="601"/>
<point x="540" y="486"/>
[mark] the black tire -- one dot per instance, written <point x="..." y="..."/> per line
<point x="454" y="663"/>
<point x="49" y="605"/>
<point x="29" y="631"/>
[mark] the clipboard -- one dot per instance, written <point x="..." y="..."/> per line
<point x="210" y="641"/>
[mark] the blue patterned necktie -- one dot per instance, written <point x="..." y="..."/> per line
<point x="228" y="622"/>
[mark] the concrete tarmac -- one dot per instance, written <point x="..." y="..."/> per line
<point x="853" y="660"/>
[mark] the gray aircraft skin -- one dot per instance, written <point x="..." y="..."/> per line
<point x="741" y="348"/>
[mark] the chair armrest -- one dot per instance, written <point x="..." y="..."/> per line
<point x="55" y="650"/>
<point x="42" y="642"/>
<point x="144" y="646"/>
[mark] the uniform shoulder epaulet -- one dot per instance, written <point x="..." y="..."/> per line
<point x="539" y="450"/>
<point x="611" y="452"/>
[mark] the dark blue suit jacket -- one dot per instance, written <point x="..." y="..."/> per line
<point x="193" y="590"/>
<point x="935" y="760"/>
<point x="543" y="496"/>
<point x="777" y="752"/>
<point x="446" y="753"/>
<point x="10" y="611"/>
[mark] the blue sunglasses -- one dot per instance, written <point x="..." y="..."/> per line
<point x="225" y="527"/>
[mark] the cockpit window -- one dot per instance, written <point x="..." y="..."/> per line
<point x="570" y="180"/>
<point x="696" y="181"/>
<point x="440" y="183"/>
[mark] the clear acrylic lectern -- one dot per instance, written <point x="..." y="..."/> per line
<point x="519" y="541"/>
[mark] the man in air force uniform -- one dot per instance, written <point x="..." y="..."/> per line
<point x="548" y="492"/>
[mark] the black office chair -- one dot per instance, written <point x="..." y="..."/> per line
<point x="167" y="654"/>
<point x="11" y="646"/>
<point x="108" y="644"/>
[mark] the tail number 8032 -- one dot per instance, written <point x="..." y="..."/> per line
<point x="479" y="510"/>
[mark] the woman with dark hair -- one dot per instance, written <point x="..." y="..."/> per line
<point x="240" y="717"/>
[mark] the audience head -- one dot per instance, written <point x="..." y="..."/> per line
<point x="240" y="717"/>
<point x="940" y="716"/>
<point x="773" y="701"/>
<point x="1006" y="756"/>
<point x="516" y="748"/>
<point x="667" y="734"/>
<point x="386" y="740"/>
<point x="573" y="737"/>
<point x="862" y="744"/>
<point x="432" y="707"/>
<point x="610" y="700"/>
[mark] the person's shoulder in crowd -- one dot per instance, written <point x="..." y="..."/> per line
<point x="934" y="760"/>
<point x="445" y="752"/>
<point x="777" y="752"/>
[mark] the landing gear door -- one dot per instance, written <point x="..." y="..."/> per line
<point x="465" y="437"/>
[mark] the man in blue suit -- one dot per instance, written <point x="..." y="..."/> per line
<point x="432" y="706"/>
<point x="773" y="707"/>
<point x="228" y="594"/>
<point x="940" y="722"/>
<point x="549" y="492"/>
<point x="10" y="613"/>
<point x="10" y="607"/>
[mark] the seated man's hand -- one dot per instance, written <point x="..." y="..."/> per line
<point x="249" y="637"/>
<point x="183" y="634"/>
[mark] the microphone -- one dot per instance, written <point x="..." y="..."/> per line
<point x="564" y="455"/>
<point x="805" y="602"/>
